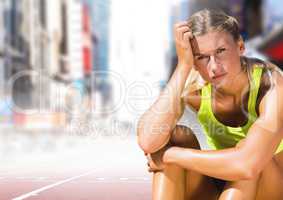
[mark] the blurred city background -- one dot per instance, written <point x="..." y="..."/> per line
<point x="75" y="75"/>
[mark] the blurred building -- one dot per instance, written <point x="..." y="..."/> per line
<point x="87" y="41"/>
<point x="42" y="30"/>
<point x="272" y="38"/>
<point x="27" y="49"/>
<point x="71" y="52"/>
<point x="138" y="54"/>
<point x="100" y="12"/>
<point x="2" y="46"/>
<point x="6" y="116"/>
<point x="87" y="49"/>
<point x="74" y="32"/>
<point x="272" y="15"/>
<point x="43" y="44"/>
<point x="16" y="53"/>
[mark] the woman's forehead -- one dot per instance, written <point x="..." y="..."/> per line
<point x="211" y="41"/>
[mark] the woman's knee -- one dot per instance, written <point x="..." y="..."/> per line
<point x="231" y="194"/>
<point x="244" y="189"/>
<point x="184" y="137"/>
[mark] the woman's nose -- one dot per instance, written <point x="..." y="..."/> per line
<point x="213" y="66"/>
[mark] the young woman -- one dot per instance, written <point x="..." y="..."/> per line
<point x="238" y="104"/>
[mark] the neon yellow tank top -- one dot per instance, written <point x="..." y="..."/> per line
<point x="220" y="136"/>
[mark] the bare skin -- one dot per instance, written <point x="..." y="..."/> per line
<point x="251" y="169"/>
<point x="178" y="182"/>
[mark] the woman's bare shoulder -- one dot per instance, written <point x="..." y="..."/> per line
<point x="272" y="74"/>
<point x="273" y="93"/>
<point x="264" y="64"/>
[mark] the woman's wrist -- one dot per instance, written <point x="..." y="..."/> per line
<point x="170" y="155"/>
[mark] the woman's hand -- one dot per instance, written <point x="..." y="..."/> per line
<point x="155" y="160"/>
<point x="183" y="38"/>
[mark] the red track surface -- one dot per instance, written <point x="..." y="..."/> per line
<point x="100" y="170"/>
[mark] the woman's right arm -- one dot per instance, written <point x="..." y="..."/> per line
<point x="156" y="124"/>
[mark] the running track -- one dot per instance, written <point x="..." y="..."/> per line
<point x="98" y="169"/>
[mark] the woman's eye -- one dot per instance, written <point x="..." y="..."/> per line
<point x="201" y="57"/>
<point x="219" y="51"/>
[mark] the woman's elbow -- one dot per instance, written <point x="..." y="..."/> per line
<point x="147" y="144"/>
<point x="150" y="144"/>
<point x="143" y="141"/>
<point x="146" y="147"/>
<point x="143" y="144"/>
<point x="149" y="139"/>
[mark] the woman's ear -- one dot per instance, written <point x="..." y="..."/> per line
<point x="241" y="46"/>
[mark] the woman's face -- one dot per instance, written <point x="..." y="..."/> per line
<point x="217" y="57"/>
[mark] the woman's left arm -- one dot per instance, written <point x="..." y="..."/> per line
<point x="250" y="156"/>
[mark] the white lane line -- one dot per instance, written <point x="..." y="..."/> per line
<point x="36" y="192"/>
<point x="100" y="178"/>
<point x="21" y="177"/>
<point x="123" y="179"/>
<point x="42" y="178"/>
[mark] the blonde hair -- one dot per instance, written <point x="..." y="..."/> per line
<point x="201" y="23"/>
<point x="193" y="83"/>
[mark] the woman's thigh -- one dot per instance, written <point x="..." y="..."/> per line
<point x="199" y="186"/>
<point x="240" y="190"/>
<point x="271" y="180"/>
<point x="268" y="185"/>
<point x="174" y="182"/>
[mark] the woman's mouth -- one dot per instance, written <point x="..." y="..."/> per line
<point x="218" y="77"/>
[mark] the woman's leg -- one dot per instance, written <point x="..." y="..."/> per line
<point x="175" y="183"/>
<point x="271" y="180"/>
<point x="199" y="187"/>
<point x="240" y="190"/>
<point x="268" y="185"/>
<point x="169" y="184"/>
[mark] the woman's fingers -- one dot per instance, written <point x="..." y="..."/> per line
<point x="180" y="24"/>
<point x="154" y="170"/>
<point x="152" y="167"/>
<point x="179" y="34"/>
<point x="183" y="36"/>
<point x="186" y="38"/>
<point x="189" y="45"/>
